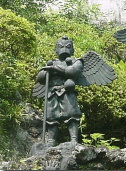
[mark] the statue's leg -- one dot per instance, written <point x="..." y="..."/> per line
<point x="73" y="131"/>
<point x="52" y="134"/>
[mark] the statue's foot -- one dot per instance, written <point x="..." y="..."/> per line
<point x="51" y="143"/>
<point x="73" y="142"/>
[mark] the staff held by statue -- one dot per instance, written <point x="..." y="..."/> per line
<point x="45" y="107"/>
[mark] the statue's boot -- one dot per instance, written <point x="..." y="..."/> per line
<point x="52" y="134"/>
<point x="73" y="131"/>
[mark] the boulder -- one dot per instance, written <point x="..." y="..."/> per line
<point x="67" y="156"/>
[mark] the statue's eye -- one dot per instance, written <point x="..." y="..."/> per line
<point x="60" y="46"/>
<point x="68" y="46"/>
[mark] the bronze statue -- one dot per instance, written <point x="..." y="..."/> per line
<point x="60" y="76"/>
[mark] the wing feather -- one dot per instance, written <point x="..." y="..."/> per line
<point x="91" y="79"/>
<point x="38" y="90"/>
<point x="120" y="35"/>
<point x="37" y="85"/>
<point x="102" y="77"/>
<point x="96" y="70"/>
<point x="109" y="74"/>
<point x="108" y="67"/>
<point x="41" y="95"/>
<point x="97" y="79"/>
<point x="81" y="80"/>
<point x="107" y="71"/>
<point x="105" y="77"/>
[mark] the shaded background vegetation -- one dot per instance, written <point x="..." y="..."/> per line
<point x="28" y="33"/>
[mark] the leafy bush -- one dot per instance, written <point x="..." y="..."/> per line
<point x="29" y="9"/>
<point x="97" y="139"/>
<point x="58" y="26"/>
<point x="17" y="50"/>
<point x="79" y="10"/>
<point x="104" y="106"/>
<point x="114" y="50"/>
<point x="17" y="36"/>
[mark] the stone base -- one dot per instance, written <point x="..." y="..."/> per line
<point x="66" y="156"/>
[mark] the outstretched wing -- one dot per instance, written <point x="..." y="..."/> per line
<point x="121" y="35"/>
<point x="39" y="90"/>
<point x="95" y="71"/>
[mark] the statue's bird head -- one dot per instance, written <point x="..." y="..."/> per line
<point x="64" y="48"/>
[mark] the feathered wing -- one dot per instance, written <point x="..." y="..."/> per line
<point x="39" y="90"/>
<point x="120" y="35"/>
<point x="95" y="71"/>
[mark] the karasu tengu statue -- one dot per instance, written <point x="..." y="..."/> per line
<point x="56" y="82"/>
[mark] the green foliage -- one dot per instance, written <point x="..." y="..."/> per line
<point x="79" y="10"/>
<point x="58" y="26"/>
<point x="97" y="139"/>
<point x="17" y="36"/>
<point x="17" y="47"/>
<point x="29" y="9"/>
<point x="114" y="50"/>
<point x="104" y="106"/>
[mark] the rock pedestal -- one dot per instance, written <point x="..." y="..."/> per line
<point x="66" y="156"/>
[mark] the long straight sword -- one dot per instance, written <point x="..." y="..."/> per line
<point x="45" y="107"/>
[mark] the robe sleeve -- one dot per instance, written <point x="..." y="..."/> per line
<point x="74" y="70"/>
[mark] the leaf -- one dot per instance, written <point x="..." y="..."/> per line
<point x="86" y="141"/>
<point x="84" y="136"/>
<point x="96" y="136"/>
<point x="21" y="64"/>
